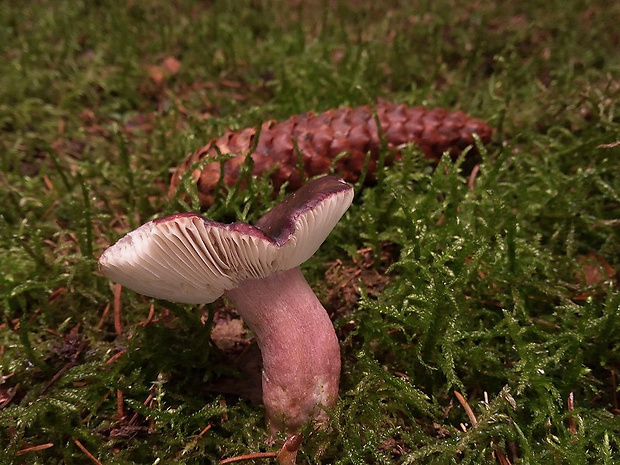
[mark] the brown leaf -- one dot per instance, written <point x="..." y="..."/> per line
<point x="228" y="333"/>
<point x="172" y="65"/>
<point x="595" y="269"/>
<point x="6" y="395"/>
<point x="88" y="116"/>
<point x="156" y="74"/>
<point x="140" y="122"/>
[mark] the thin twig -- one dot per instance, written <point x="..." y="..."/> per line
<point x="224" y="413"/>
<point x="103" y="316"/>
<point x="503" y="460"/>
<point x="194" y="440"/>
<point x="35" y="314"/>
<point x="48" y="183"/>
<point x="8" y="394"/>
<point x="201" y="434"/>
<point x="118" y="325"/>
<point x="37" y="448"/>
<point x="116" y="356"/>
<point x="56" y="294"/>
<point x="148" y="318"/>
<point x="468" y="410"/>
<point x="257" y="455"/>
<point x="471" y="183"/>
<point x="571" y="407"/>
<point x="120" y="410"/>
<point x="146" y="403"/>
<point x="67" y="366"/>
<point x="85" y="450"/>
<point x="609" y="146"/>
<point x="57" y="376"/>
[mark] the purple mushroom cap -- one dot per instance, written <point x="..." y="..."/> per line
<point x="190" y="259"/>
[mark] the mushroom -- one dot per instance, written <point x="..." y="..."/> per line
<point x="190" y="259"/>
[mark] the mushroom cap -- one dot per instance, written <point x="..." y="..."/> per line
<point x="188" y="258"/>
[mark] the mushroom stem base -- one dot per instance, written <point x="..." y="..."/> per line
<point x="299" y="347"/>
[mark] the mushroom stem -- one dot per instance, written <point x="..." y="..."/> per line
<point x="299" y="347"/>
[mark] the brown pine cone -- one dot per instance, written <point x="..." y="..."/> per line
<point x="320" y="138"/>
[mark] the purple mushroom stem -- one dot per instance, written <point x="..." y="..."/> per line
<point x="187" y="258"/>
<point x="298" y="344"/>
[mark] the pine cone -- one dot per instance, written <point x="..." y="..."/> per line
<point x="320" y="138"/>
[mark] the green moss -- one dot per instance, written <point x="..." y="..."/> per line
<point x="491" y="290"/>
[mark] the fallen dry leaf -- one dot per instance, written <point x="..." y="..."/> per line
<point x="6" y="395"/>
<point x="156" y="74"/>
<point x="172" y="65"/>
<point x="595" y="269"/>
<point x="609" y="146"/>
<point x="228" y="333"/>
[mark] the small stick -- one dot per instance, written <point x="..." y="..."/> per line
<point x="9" y="394"/>
<point x="51" y="331"/>
<point x="609" y="146"/>
<point x="25" y="450"/>
<point x="103" y="316"/>
<point x="116" y="356"/>
<point x="120" y="411"/>
<point x="503" y="460"/>
<point x="118" y="325"/>
<point x="146" y="403"/>
<point x="571" y="407"/>
<point x="468" y="410"/>
<point x="257" y="455"/>
<point x="67" y="366"/>
<point x="56" y="377"/>
<point x="85" y="450"/>
<point x="57" y="293"/>
<point x="201" y="434"/>
<point x="224" y="414"/>
<point x="35" y="314"/>
<point x="471" y="183"/>
<point x="148" y="318"/>
<point x="192" y="443"/>
<point x="48" y="183"/>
